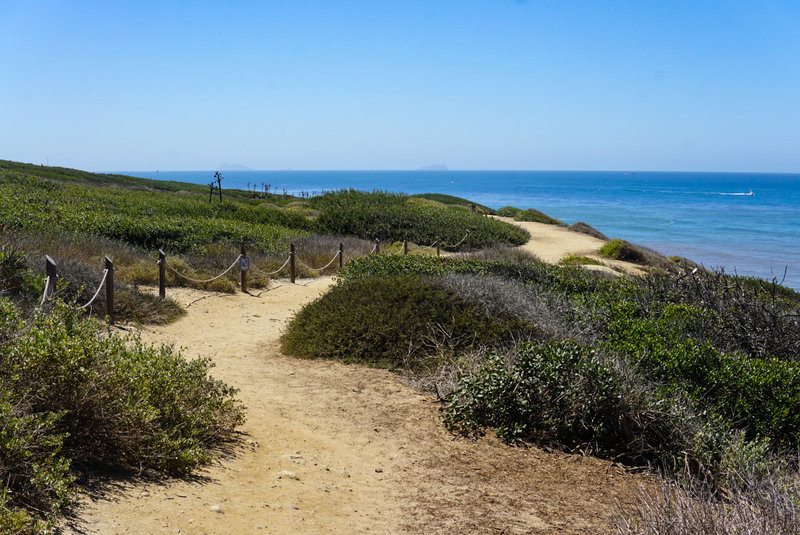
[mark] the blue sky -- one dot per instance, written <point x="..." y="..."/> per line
<point x="384" y="84"/>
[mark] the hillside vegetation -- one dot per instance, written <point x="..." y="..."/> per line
<point x="697" y="375"/>
<point x="75" y="398"/>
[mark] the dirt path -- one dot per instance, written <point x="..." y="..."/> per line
<point x="551" y="243"/>
<point x="332" y="448"/>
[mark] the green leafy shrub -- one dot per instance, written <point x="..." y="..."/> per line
<point x="72" y="395"/>
<point x="530" y="214"/>
<point x="395" y="217"/>
<point x="559" y="393"/>
<point x="392" y="321"/>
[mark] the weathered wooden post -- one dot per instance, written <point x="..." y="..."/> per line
<point x="110" y="291"/>
<point x="52" y="274"/>
<point x="377" y="246"/>
<point x="162" y="274"/>
<point x="244" y="265"/>
<point x="438" y="244"/>
<point x="341" y="256"/>
<point x="469" y="241"/>
<point x="405" y="247"/>
<point x="291" y="263"/>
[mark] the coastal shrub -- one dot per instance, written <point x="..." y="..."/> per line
<point x="395" y="217"/>
<point x="501" y="254"/>
<point x="618" y="249"/>
<point x="454" y="201"/>
<point x="585" y="228"/>
<point x="144" y="218"/>
<point x="74" y="396"/>
<point x="577" y="260"/>
<point x="761" y="396"/>
<point x="561" y="393"/>
<point x="390" y="321"/>
<point x="530" y="214"/>
<point x="16" y="279"/>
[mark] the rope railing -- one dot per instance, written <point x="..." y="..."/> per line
<point x="272" y="272"/>
<point x="102" y="283"/>
<point x="457" y="244"/>
<point x="243" y="260"/>
<point x="204" y="280"/>
<point x="326" y="266"/>
<point x="46" y="293"/>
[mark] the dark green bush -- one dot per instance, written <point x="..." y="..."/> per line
<point x="391" y="321"/>
<point x="391" y="217"/>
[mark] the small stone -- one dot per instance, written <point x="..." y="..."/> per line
<point x="294" y="507"/>
<point x="181" y="495"/>
<point x="379" y="470"/>
<point x="217" y="509"/>
<point x="286" y="474"/>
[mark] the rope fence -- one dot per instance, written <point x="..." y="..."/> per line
<point x="102" y="283"/>
<point x="107" y="281"/>
<point x="201" y="281"/>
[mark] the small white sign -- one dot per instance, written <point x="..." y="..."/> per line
<point x="244" y="263"/>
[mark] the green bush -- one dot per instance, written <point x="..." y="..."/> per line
<point x="390" y="321"/>
<point x="531" y="214"/>
<point x="395" y="217"/>
<point x="564" y="394"/>
<point x="71" y="394"/>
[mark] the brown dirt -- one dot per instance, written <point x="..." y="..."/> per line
<point x="333" y="448"/>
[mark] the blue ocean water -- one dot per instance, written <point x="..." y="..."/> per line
<point x="707" y="217"/>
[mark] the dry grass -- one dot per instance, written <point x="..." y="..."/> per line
<point x="769" y="508"/>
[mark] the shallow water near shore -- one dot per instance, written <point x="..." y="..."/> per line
<point x="709" y="217"/>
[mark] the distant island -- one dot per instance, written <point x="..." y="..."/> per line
<point x="434" y="167"/>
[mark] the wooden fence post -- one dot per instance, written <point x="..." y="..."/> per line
<point x="52" y="273"/>
<point x="469" y="241"/>
<point x="110" y="291"/>
<point x="162" y="274"/>
<point x="341" y="256"/>
<point x="405" y="247"/>
<point x="291" y="263"/>
<point x="438" y="244"/>
<point x="377" y="246"/>
<point x="244" y="265"/>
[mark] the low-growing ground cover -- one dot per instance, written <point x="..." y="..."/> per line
<point x="147" y="219"/>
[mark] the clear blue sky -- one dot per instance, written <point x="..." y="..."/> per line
<point x="385" y="84"/>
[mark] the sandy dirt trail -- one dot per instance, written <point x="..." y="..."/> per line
<point x="333" y="448"/>
<point x="551" y="243"/>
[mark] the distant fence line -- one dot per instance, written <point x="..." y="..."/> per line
<point x="107" y="282"/>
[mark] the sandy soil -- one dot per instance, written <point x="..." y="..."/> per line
<point x="332" y="448"/>
<point x="552" y="243"/>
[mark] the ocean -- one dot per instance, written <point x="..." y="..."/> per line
<point x="711" y="218"/>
